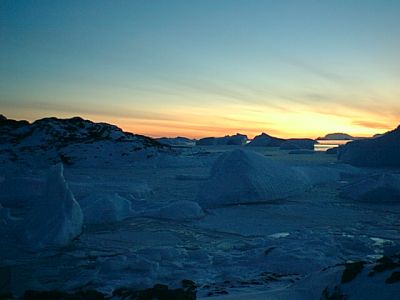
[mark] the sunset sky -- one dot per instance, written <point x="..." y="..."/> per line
<point x="205" y="68"/>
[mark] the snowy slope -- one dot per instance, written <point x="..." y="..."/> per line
<point x="51" y="140"/>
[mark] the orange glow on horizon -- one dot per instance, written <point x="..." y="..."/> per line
<point x="289" y="124"/>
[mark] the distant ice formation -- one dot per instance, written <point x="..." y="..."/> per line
<point x="383" y="151"/>
<point x="265" y="140"/>
<point x="296" y="144"/>
<point x="178" y="141"/>
<point x="237" y="139"/>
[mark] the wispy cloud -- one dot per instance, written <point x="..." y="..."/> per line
<point x="372" y="124"/>
<point x="317" y="71"/>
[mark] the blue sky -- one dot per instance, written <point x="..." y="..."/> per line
<point x="198" y="68"/>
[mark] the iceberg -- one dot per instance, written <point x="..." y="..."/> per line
<point x="382" y="151"/>
<point x="265" y="140"/>
<point x="243" y="176"/>
<point x="105" y="208"/>
<point x="56" y="218"/>
<point x="376" y="188"/>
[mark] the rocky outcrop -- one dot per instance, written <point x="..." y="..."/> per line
<point x="52" y="140"/>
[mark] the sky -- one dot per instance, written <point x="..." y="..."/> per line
<point x="205" y="68"/>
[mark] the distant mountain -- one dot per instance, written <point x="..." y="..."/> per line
<point x="51" y="140"/>
<point x="237" y="139"/>
<point x="337" y="136"/>
<point x="265" y="140"/>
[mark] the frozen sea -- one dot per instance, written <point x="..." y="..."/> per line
<point x="268" y="250"/>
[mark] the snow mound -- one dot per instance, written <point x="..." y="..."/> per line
<point x="179" y="211"/>
<point x="376" y="188"/>
<point x="246" y="177"/>
<point x="103" y="208"/>
<point x="56" y="218"/>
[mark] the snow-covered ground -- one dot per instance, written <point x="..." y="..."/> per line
<point x="148" y="226"/>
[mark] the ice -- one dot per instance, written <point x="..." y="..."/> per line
<point x="382" y="151"/>
<point x="55" y="218"/>
<point x="72" y="141"/>
<point x="244" y="176"/>
<point x="294" y="144"/>
<point x="267" y="224"/>
<point x="237" y="139"/>
<point x="265" y="140"/>
<point x="320" y="175"/>
<point x="104" y="208"/>
<point x="179" y="210"/>
<point x="178" y="141"/>
<point x="11" y="193"/>
<point x="279" y="235"/>
<point x="4" y="220"/>
<point x="375" y="188"/>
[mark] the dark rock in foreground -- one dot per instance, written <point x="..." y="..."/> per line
<point x="383" y="151"/>
<point x="366" y="280"/>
